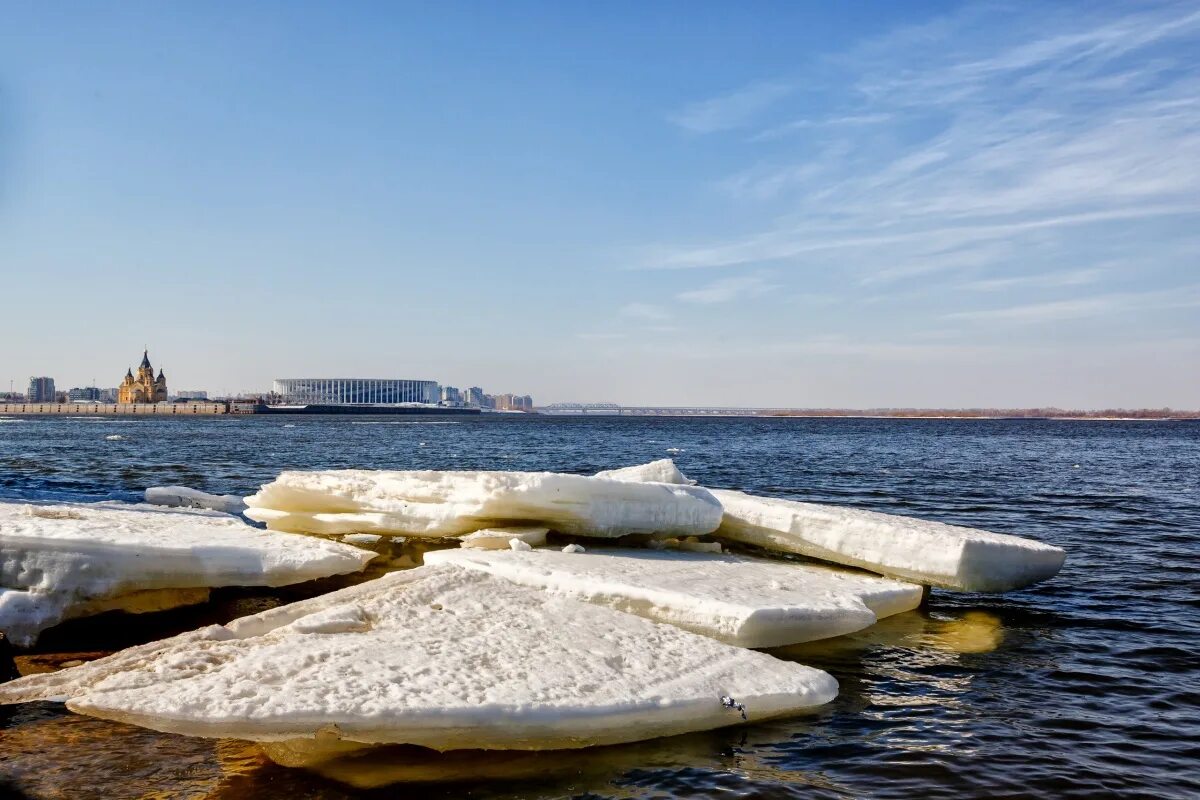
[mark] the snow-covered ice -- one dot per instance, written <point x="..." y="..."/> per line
<point x="661" y="471"/>
<point x="441" y="504"/>
<point x="57" y="560"/>
<point x="441" y="657"/>
<point x="499" y="538"/>
<point x="183" y="497"/>
<point x="362" y="539"/>
<point x="749" y="602"/>
<point x="933" y="553"/>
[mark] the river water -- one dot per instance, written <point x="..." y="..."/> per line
<point x="1086" y="686"/>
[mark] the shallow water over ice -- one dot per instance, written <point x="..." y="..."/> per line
<point x="1084" y="686"/>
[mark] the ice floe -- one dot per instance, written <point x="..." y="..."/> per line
<point x="661" y="471"/>
<point x="749" y="602"/>
<point x="441" y="504"/>
<point x="441" y="657"/>
<point x="923" y="551"/>
<point x="64" y="560"/>
<point x="933" y="553"/>
<point x="183" y="497"/>
<point x="499" y="538"/>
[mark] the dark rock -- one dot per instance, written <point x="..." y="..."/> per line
<point x="8" y="667"/>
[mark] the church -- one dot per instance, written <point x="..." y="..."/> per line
<point x="145" y="388"/>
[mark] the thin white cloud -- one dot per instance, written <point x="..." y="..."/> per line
<point x="732" y="110"/>
<point x="1077" y="277"/>
<point x="647" y="312"/>
<point x="995" y="138"/>
<point x="1074" y="308"/>
<point x="600" y="337"/>
<point x="727" y="290"/>
<point x="795" y="126"/>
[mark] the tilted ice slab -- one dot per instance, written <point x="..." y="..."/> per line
<point x="933" y="553"/>
<point x="183" y="497"/>
<point x="439" y="504"/>
<point x="749" y="602"/>
<point x="57" y="559"/>
<point x="435" y="656"/>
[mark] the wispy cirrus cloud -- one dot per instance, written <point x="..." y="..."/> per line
<point x="1103" y="304"/>
<point x="728" y="289"/>
<point x="980" y="143"/>
<point x="645" y="312"/>
<point x="779" y="131"/>
<point x="1075" y="277"/>
<point x="731" y="110"/>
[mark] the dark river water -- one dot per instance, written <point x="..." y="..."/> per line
<point x="1086" y="686"/>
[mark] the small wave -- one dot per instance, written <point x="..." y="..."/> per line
<point x="365" y="422"/>
<point x="289" y="425"/>
<point x="676" y="450"/>
<point x="114" y="437"/>
<point x="12" y="419"/>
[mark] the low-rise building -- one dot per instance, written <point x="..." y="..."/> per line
<point x="85" y="394"/>
<point x="355" y="391"/>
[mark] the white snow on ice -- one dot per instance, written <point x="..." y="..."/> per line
<point x="661" y="471"/>
<point x="499" y="538"/>
<point x="933" y="553"/>
<point x="440" y="504"/>
<point x="749" y="602"/>
<point x="926" y="552"/>
<point x="440" y="657"/>
<point x="57" y="558"/>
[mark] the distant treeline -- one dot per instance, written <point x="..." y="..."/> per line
<point x="1009" y="413"/>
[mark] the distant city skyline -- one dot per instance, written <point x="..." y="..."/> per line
<point x="931" y="204"/>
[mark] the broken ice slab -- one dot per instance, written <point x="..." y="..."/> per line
<point x="933" y="553"/>
<point x="749" y="602"/>
<point x="499" y="538"/>
<point x="57" y="560"/>
<point x="183" y="497"/>
<point x="440" y="657"/>
<point x="442" y="504"/>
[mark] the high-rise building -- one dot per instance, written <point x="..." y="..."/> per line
<point x="41" y="390"/>
<point x="473" y="397"/>
<point x="514" y="402"/>
<point x="192" y="394"/>
<point x="451" y="396"/>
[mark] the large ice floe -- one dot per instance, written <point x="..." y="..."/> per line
<point x="933" y="553"/>
<point x="749" y="602"/>
<point x="67" y="560"/>
<point x="441" y="504"/>
<point x="926" y="552"/>
<point x="437" y="656"/>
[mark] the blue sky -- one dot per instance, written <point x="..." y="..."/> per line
<point x="769" y="204"/>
